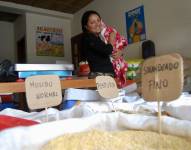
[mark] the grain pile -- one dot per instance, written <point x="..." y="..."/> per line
<point x="121" y="140"/>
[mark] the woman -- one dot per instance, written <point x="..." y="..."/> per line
<point x="95" y="50"/>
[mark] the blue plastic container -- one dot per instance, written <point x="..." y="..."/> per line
<point x="7" y="105"/>
<point x="68" y="104"/>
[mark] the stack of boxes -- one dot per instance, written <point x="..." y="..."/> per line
<point x="134" y="69"/>
<point x="27" y="70"/>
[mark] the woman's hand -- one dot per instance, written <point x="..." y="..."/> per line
<point x="112" y="38"/>
<point x="117" y="54"/>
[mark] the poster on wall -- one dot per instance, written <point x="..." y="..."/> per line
<point x="135" y="25"/>
<point x="49" y="41"/>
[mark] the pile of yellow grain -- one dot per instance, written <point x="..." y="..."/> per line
<point x="121" y="140"/>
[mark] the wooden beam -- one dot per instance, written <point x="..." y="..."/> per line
<point x="18" y="87"/>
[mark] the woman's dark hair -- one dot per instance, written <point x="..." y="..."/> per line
<point x="85" y="18"/>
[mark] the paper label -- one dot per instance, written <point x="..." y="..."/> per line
<point x="107" y="87"/>
<point x="162" y="77"/>
<point x="43" y="91"/>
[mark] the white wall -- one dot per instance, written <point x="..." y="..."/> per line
<point x="35" y="17"/>
<point x="32" y="21"/>
<point x="7" y="49"/>
<point x="168" y="23"/>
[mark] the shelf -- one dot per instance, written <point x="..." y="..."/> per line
<point x="18" y="87"/>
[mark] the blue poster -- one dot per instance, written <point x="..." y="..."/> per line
<point x="135" y="23"/>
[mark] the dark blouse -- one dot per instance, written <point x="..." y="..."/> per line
<point x="97" y="53"/>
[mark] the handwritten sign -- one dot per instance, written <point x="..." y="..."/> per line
<point x="43" y="91"/>
<point x="162" y="77"/>
<point x="106" y="87"/>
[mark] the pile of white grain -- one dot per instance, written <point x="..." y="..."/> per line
<point x="121" y="140"/>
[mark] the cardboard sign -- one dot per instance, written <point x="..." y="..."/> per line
<point x="43" y="91"/>
<point x="107" y="87"/>
<point x="162" y="78"/>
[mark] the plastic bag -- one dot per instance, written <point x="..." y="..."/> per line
<point x="7" y="73"/>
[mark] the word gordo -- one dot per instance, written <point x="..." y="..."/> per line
<point x="105" y="85"/>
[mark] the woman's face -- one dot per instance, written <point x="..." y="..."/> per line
<point x="94" y="24"/>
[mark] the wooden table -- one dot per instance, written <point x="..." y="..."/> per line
<point x="19" y="87"/>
